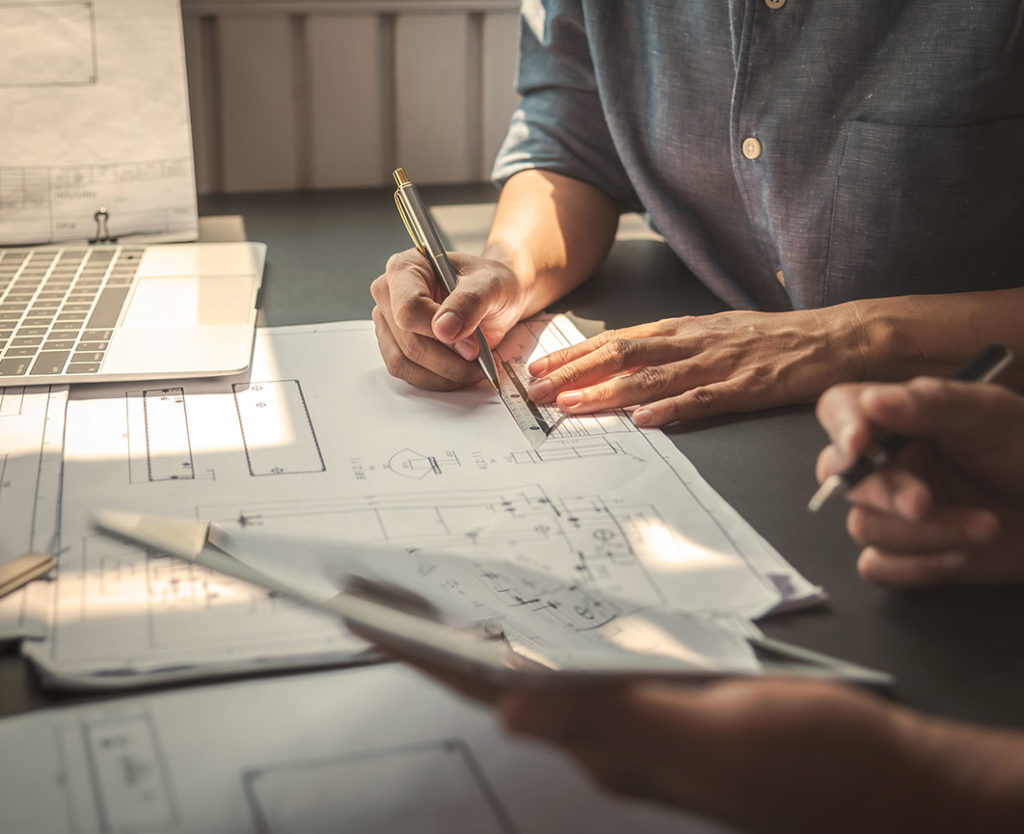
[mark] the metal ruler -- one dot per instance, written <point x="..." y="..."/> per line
<point x="537" y="422"/>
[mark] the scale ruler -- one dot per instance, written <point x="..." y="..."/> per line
<point x="537" y="422"/>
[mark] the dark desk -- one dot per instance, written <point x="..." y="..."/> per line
<point x="954" y="651"/>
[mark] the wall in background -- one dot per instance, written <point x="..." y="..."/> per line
<point x="336" y="93"/>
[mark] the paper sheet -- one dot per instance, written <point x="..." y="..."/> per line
<point x="318" y="440"/>
<point x="559" y="622"/>
<point x="95" y="115"/>
<point x="31" y="441"/>
<point x="360" y="751"/>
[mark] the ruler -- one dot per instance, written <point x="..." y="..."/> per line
<point x="537" y="422"/>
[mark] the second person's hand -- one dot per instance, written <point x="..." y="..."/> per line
<point x="427" y="338"/>
<point x="950" y="508"/>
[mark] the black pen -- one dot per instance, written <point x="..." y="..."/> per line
<point x="982" y="368"/>
<point x="428" y="242"/>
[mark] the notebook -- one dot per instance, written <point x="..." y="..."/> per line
<point x="103" y="313"/>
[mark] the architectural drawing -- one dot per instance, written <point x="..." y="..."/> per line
<point x="360" y="751"/>
<point x="31" y="443"/>
<point x="356" y="793"/>
<point x="72" y="76"/>
<point x="264" y="406"/>
<point x="609" y="511"/>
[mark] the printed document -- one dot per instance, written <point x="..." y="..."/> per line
<point x="95" y="117"/>
<point x="318" y="441"/>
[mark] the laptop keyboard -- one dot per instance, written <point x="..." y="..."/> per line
<point x="59" y="305"/>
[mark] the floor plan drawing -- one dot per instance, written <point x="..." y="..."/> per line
<point x="359" y="751"/>
<point x="610" y="511"/>
<point x="356" y="793"/>
<point x="31" y="445"/>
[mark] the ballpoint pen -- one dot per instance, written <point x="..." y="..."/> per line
<point x="982" y="368"/>
<point x="426" y="239"/>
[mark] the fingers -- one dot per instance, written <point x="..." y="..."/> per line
<point x="428" y="337"/>
<point x="945" y="529"/>
<point x="421" y="360"/>
<point x="909" y="570"/>
<point x="403" y="324"/>
<point x="893" y="489"/>
<point x="929" y="407"/>
<point x="841" y="415"/>
<point x="408" y="291"/>
<point x="628" y="372"/>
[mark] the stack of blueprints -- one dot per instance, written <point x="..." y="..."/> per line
<point x="317" y="441"/>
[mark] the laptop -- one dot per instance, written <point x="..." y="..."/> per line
<point x="108" y="312"/>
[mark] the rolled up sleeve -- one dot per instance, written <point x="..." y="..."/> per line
<point x="560" y="125"/>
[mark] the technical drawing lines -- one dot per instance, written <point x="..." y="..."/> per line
<point x="412" y="464"/>
<point x="573" y="605"/>
<point x="579" y="538"/>
<point x="67" y="60"/>
<point x="128" y="773"/>
<point x="277" y="431"/>
<point x="11" y="401"/>
<point x="368" y="792"/>
<point x="595" y="447"/>
<point x="168" y="446"/>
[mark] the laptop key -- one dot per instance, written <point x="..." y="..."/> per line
<point x="108" y="307"/>
<point x="50" y="362"/>
<point x="13" y="367"/>
<point x="81" y="367"/>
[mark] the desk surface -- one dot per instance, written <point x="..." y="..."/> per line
<point x="954" y="651"/>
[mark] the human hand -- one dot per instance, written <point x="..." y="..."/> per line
<point x="426" y="337"/>
<point x="780" y="755"/>
<point x="700" y="366"/>
<point x="950" y="508"/>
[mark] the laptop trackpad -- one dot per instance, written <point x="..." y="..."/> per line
<point x="189" y="301"/>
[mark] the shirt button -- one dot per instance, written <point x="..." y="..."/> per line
<point x="775" y="4"/>
<point x="751" y="148"/>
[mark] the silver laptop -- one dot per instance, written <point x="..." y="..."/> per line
<point x="103" y="313"/>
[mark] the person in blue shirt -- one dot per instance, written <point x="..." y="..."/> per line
<point x="849" y="180"/>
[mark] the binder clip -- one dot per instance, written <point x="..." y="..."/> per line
<point x="102" y="216"/>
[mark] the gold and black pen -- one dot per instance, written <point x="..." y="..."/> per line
<point x="426" y="239"/>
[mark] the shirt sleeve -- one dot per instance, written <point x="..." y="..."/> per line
<point x="560" y="124"/>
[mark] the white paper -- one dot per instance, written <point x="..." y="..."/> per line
<point x="96" y="116"/>
<point x="31" y="441"/>
<point x="561" y="623"/>
<point x="361" y="751"/>
<point x="319" y="441"/>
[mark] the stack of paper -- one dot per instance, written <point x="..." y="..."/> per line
<point x="318" y="441"/>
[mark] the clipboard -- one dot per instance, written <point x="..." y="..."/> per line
<point x="400" y="623"/>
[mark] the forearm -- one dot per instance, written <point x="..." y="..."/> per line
<point x="976" y="776"/>
<point x="552" y="231"/>
<point x="934" y="335"/>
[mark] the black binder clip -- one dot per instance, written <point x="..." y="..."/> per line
<point x="102" y="216"/>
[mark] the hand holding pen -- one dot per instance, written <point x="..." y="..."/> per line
<point x="424" y="235"/>
<point x="950" y="506"/>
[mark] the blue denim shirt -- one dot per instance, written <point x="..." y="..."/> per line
<point x="857" y="149"/>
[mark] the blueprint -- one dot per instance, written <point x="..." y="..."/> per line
<point x="318" y="441"/>
<point x="360" y="751"/>
<point x="95" y="117"/>
<point x="31" y="441"/>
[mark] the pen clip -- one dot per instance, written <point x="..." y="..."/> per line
<point x="409" y="227"/>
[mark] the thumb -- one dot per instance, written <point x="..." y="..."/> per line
<point x="478" y="294"/>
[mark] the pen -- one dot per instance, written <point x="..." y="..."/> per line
<point x="982" y="368"/>
<point x="421" y="229"/>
